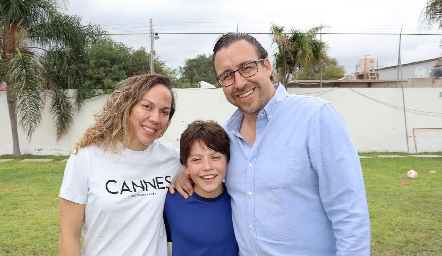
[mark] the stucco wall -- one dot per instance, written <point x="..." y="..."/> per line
<point x="374" y="115"/>
<point x="376" y="118"/>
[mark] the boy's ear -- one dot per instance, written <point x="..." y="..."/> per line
<point x="186" y="171"/>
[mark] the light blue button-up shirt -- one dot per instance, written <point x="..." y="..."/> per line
<point x="299" y="189"/>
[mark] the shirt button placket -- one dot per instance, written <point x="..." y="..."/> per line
<point x="251" y="203"/>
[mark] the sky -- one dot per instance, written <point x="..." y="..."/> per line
<point x="388" y="30"/>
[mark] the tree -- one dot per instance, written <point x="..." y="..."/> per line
<point x="107" y="65"/>
<point x="331" y="70"/>
<point x="296" y="50"/>
<point x="197" y="69"/>
<point x="139" y="63"/>
<point x="432" y="13"/>
<point x="109" y="62"/>
<point x="29" y="30"/>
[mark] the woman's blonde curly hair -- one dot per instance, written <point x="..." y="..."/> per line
<point x="112" y="128"/>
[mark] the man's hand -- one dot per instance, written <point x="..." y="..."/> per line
<point x="183" y="184"/>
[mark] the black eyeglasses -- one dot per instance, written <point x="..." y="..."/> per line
<point x="248" y="69"/>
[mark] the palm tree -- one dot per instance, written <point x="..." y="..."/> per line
<point x="35" y="35"/>
<point x="432" y="13"/>
<point x="296" y="50"/>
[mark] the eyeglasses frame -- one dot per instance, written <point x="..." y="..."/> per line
<point x="237" y="70"/>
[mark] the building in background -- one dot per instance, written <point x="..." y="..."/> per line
<point x="205" y="85"/>
<point x="366" y="69"/>
<point x="419" y="74"/>
<point x="417" y="69"/>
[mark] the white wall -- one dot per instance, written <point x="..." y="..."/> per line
<point x="374" y="115"/>
<point x="376" y="119"/>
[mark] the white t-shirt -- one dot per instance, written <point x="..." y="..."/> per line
<point x="124" y="196"/>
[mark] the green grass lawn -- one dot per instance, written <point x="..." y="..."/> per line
<point x="29" y="207"/>
<point x="405" y="219"/>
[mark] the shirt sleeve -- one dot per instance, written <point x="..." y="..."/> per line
<point x="75" y="180"/>
<point x="341" y="186"/>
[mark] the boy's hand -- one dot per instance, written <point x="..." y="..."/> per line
<point x="183" y="185"/>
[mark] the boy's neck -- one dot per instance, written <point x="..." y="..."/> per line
<point x="213" y="194"/>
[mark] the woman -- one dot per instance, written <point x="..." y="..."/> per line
<point x="115" y="182"/>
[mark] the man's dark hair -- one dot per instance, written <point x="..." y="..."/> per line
<point x="227" y="39"/>
<point x="209" y="132"/>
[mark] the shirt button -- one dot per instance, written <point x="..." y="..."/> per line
<point x="250" y="193"/>
<point x="250" y="164"/>
<point x="250" y="226"/>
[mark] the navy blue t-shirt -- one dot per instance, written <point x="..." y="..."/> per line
<point x="200" y="226"/>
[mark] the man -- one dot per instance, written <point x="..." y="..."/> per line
<point x="294" y="174"/>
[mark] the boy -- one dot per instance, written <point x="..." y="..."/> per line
<point x="202" y="224"/>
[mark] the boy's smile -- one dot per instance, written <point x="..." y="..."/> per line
<point x="207" y="168"/>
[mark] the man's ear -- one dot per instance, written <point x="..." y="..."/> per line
<point x="268" y="66"/>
